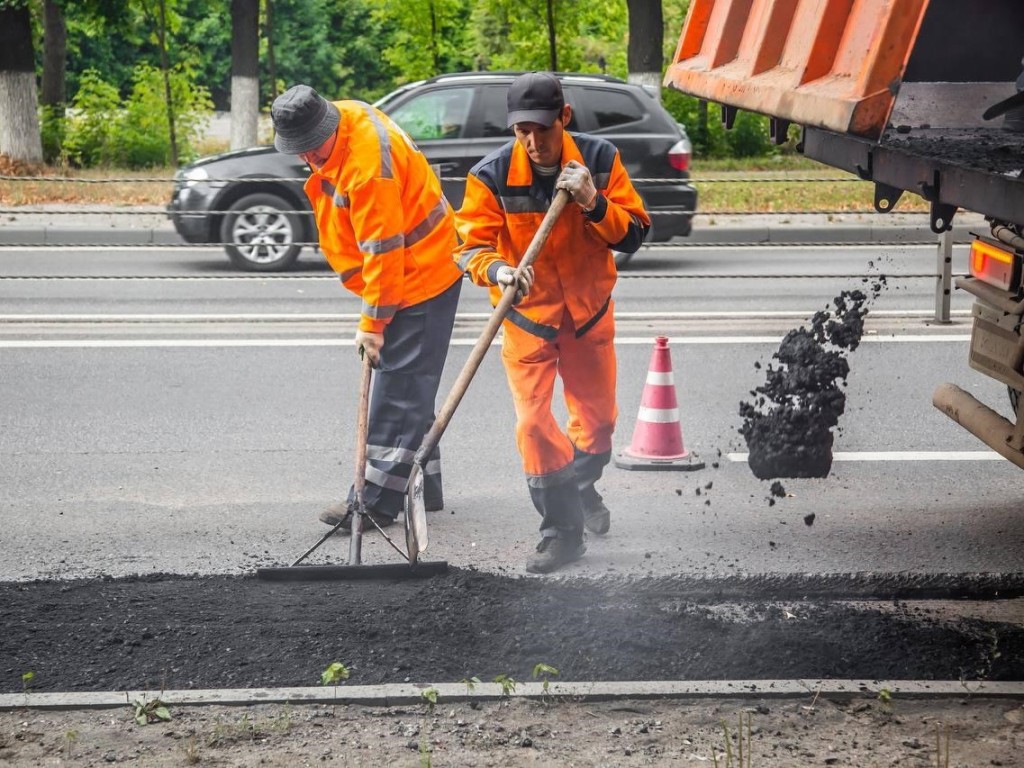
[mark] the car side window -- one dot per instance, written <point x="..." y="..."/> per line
<point x="439" y="114"/>
<point x="612" y="108"/>
<point x="494" y="100"/>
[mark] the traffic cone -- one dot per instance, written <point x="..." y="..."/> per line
<point x="658" y="437"/>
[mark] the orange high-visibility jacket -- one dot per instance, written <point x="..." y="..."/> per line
<point x="503" y="208"/>
<point x="384" y="224"/>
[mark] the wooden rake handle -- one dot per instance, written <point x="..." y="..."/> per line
<point x="476" y="356"/>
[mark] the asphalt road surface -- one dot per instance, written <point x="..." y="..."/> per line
<point x="163" y="413"/>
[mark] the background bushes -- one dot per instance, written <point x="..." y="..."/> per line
<point x="102" y="129"/>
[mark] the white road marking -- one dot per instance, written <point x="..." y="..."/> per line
<point x="314" y="317"/>
<point x="898" y="456"/>
<point x="467" y="342"/>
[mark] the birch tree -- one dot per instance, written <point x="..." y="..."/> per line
<point x="245" y="82"/>
<point x="19" y="101"/>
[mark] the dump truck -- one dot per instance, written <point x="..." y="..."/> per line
<point x="916" y="96"/>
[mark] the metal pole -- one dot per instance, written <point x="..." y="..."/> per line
<point x="944" y="277"/>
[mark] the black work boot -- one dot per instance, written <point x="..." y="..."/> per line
<point x="597" y="518"/>
<point x="554" y="552"/>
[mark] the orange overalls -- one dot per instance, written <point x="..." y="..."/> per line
<point x="566" y="324"/>
<point x="388" y="231"/>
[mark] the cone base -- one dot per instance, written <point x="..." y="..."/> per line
<point x="686" y="462"/>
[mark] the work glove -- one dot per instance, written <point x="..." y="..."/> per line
<point x="577" y="181"/>
<point x="370" y="344"/>
<point x="507" y="276"/>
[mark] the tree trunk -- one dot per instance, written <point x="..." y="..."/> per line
<point x="245" y="81"/>
<point x="646" y="35"/>
<point x="166" y="67"/>
<point x="55" y="49"/>
<point x="268" y="32"/>
<point x="19" y="102"/>
<point x="552" y="48"/>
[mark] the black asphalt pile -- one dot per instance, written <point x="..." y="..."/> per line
<point x="789" y="424"/>
<point x="175" y="632"/>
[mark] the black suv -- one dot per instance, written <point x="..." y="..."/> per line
<point x="252" y="200"/>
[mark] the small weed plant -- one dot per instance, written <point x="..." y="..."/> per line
<point x="507" y="683"/>
<point x="26" y="680"/>
<point x="335" y="672"/>
<point x="154" y="711"/>
<point x="726" y="758"/>
<point x="544" y="672"/>
<point x="429" y="696"/>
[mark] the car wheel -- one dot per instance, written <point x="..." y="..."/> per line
<point x="622" y="259"/>
<point x="260" y="235"/>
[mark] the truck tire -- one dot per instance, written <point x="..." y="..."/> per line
<point x="260" y="235"/>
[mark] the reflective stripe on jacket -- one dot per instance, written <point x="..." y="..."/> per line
<point x="503" y="209"/>
<point x="384" y="225"/>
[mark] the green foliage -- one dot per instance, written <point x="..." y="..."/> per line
<point x="507" y="683"/>
<point x="543" y="671"/>
<point x="154" y="711"/>
<point x="513" y="34"/>
<point x="144" y="139"/>
<point x="471" y="683"/>
<point x="748" y="138"/>
<point x="335" y="47"/>
<point x="27" y="679"/>
<point x="100" y="129"/>
<point x="428" y="36"/>
<point x="429" y="695"/>
<point x="335" y="671"/>
<point x="52" y="126"/>
<point x="92" y="122"/>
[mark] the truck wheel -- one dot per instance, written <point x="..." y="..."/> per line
<point x="260" y="235"/>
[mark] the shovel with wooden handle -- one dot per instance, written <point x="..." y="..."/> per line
<point x="415" y="515"/>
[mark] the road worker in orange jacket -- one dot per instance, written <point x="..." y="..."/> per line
<point x="388" y="231"/>
<point x="564" y="322"/>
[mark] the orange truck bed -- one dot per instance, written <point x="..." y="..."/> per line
<point x="834" y="65"/>
<point x="892" y="90"/>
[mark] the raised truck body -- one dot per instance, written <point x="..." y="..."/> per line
<point x="924" y="96"/>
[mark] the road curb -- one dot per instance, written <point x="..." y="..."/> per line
<point x="406" y="694"/>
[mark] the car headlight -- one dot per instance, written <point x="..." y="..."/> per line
<point x="193" y="176"/>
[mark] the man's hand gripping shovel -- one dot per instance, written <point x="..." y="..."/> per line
<point x="416" y="538"/>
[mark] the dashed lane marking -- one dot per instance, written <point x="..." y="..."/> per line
<point x="898" y="456"/>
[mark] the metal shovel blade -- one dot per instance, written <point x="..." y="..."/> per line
<point x="416" y="540"/>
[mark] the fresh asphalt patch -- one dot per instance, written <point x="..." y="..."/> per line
<point x="162" y="632"/>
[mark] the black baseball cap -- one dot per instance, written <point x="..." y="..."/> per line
<point x="303" y="120"/>
<point x="535" y="97"/>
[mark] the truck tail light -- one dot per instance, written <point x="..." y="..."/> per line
<point x="994" y="265"/>
<point x="679" y="155"/>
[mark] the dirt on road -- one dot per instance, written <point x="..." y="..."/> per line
<point x="868" y="732"/>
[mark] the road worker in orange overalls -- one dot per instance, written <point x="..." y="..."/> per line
<point x="388" y="231"/>
<point x="564" y="322"/>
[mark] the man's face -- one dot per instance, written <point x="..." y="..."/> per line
<point x="543" y="144"/>
<point x="317" y="157"/>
